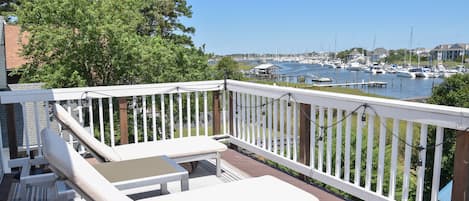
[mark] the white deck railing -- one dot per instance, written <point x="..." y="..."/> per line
<point x="387" y="133"/>
<point x="266" y="121"/>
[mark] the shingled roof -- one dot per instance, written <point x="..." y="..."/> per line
<point x="13" y="44"/>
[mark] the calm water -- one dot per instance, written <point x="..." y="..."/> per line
<point x="398" y="87"/>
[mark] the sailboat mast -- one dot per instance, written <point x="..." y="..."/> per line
<point x="410" y="45"/>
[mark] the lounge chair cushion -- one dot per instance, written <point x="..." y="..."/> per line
<point x="84" y="136"/>
<point x="174" y="148"/>
<point x="260" y="188"/>
<point x="71" y="165"/>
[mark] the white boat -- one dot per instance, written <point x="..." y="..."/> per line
<point x="321" y="79"/>
<point x="375" y="69"/>
<point x="405" y="73"/>
<point x="354" y="66"/>
<point x="422" y="72"/>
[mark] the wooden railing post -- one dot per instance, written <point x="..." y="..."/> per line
<point x="461" y="167"/>
<point x="11" y="126"/>
<point x="230" y="95"/>
<point x="124" y="127"/>
<point x="216" y="113"/>
<point x="305" y="134"/>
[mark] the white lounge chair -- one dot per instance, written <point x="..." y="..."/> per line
<point x="181" y="150"/>
<point x="81" y="176"/>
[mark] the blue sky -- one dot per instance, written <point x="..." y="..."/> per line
<point x="292" y="26"/>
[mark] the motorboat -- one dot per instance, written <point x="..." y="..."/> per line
<point x="355" y="66"/>
<point x="406" y="73"/>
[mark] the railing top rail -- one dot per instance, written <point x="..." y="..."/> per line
<point x="446" y="116"/>
<point x="58" y="94"/>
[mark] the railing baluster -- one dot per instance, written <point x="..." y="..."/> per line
<point x="437" y="163"/>
<point x="69" y="110"/>
<point x="225" y="128"/>
<point x="358" y="149"/>
<point x="134" y="106"/>
<point x="369" y="151"/>
<point x="47" y="113"/>
<point x="393" y="172"/>
<point x="422" y="159"/>
<point x="264" y="123"/>
<point x="171" y="115"/>
<point x="242" y="116"/>
<point x="205" y="113"/>
<point x="163" y="118"/>
<point x="288" y="130"/>
<point x="258" y="122"/>
<point x="329" y="140"/>
<point x="181" y="133"/>
<point x="348" y="131"/>
<point x="338" y="147"/>
<point x="197" y="123"/>
<point x="144" y="111"/>
<point x="101" y="120"/>
<point x="238" y="115"/>
<point x="90" y="115"/>
<point x="111" y="122"/>
<point x="188" y="105"/>
<point x="275" y="125"/>
<point x="153" y="116"/>
<point x="382" y="150"/>
<point x="81" y="121"/>
<point x="407" y="158"/>
<point x="282" y="127"/>
<point x="248" y="118"/>
<point x="25" y="129"/>
<point x="295" y="131"/>
<point x="38" y="129"/>
<point x="269" y="123"/>
<point x="321" y="139"/>
<point x="313" y="136"/>
<point x="253" y="119"/>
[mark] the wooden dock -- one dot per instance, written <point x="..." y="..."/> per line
<point x="350" y="84"/>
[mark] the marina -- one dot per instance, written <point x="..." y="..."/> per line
<point x="383" y="84"/>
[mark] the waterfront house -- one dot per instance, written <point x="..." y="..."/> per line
<point x="265" y="70"/>
<point x="378" y="54"/>
<point x="450" y="52"/>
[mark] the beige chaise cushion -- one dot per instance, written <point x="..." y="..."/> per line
<point x="174" y="148"/>
<point x="71" y="165"/>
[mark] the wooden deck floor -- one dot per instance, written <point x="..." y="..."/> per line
<point x="255" y="168"/>
<point x="248" y="166"/>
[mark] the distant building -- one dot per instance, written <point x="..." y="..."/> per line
<point x="378" y="54"/>
<point x="354" y="55"/>
<point x="450" y="51"/>
<point x="265" y="69"/>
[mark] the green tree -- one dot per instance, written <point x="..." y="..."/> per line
<point x="87" y="43"/>
<point x="454" y="91"/>
<point x="162" y="19"/>
<point x="229" y="68"/>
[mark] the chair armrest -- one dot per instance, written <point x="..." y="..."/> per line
<point x="39" y="179"/>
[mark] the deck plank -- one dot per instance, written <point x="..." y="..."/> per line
<point x="255" y="168"/>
